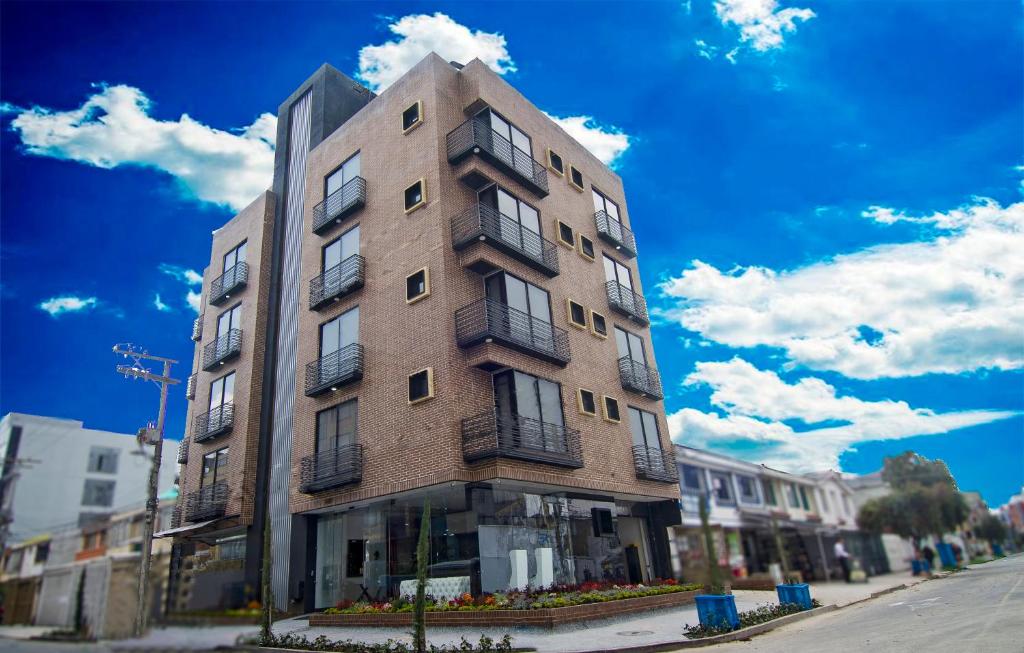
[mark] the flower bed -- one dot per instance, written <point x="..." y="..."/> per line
<point x="294" y="642"/>
<point x="762" y="614"/>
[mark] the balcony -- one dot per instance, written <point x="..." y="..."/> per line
<point x="627" y="302"/>
<point x="222" y="349"/>
<point x="615" y="233"/>
<point x="331" y="468"/>
<point x="213" y="423"/>
<point x="495" y="435"/>
<point x="475" y="136"/>
<point x="489" y="320"/>
<point x="637" y="376"/>
<point x="339" y="205"/>
<point x="208" y="502"/>
<point x="183" y="451"/>
<point x="190" y="386"/>
<point x="234" y="278"/>
<point x="334" y="370"/>
<point x="197" y="328"/>
<point x="654" y="464"/>
<point x="342" y="279"/>
<point x="483" y="223"/>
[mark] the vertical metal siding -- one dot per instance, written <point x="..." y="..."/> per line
<point x="287" y="336"/>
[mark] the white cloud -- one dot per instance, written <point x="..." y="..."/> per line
<point x="57" y="306"/>
<point x="159" y="305"/>
<point x="705" y="50"/>
<point x="421" y="34"/>
<point x="606" y="143"/>
<point x="762" y="23"/>
<point x="952" y="303"/>
<point x="184" y="275"/>
<point x="758" y="407"/>
<point x="113" y="127"/>
<point x="194" y="301"/>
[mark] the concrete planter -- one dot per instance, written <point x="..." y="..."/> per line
<point x="798" y="593"/>
<point x="717" y="610"/>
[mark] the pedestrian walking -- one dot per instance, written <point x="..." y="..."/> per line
<point x="843" y="558"/>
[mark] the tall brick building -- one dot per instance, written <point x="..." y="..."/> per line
<point x="438" y="297"/>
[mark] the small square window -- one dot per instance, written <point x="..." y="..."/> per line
<point x="555" y="163"/>
<point x="415" y="196"/>
<point x="611" y="409"/>
<point x="412" y="117"/>
<point x="586" y="402"/>
<point x="575" y="178"/>
<point x="565" y="234"/>
<point x="586" y="247"/>
<point x="598" y="324"/>
<point x="421" y="385"/>
<point x="577" y="314"/>
<point x="417" y="286"/>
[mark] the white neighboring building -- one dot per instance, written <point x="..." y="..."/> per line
<point x="57" y="473"/>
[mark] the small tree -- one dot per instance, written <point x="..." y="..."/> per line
<point x="714" y="573"/>
<point x="419" y="620"/>
<point x="991" y="528"/>
<point x="780" y="546"/>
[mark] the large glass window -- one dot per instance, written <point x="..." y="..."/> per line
<point x="98" y="493"/>
<point x="214" y="467"/>
<point x="336" y="426"/>
<point x="519" y="223"/>
<point x="524" y="395"/>
<point x="341" y="248"/>
<point x="533" y="324"/>
<point x="520" y="154"/>
<point x="644" y="426"/>
<point x="615" y="271"/>
<point x="234" y="257"/>
<point x="229" y="319"/>
<point x="748" y="489"/>
<point x="721" y="487"/>
<point x="222" y="392"/>
<point x="769" y="492"/>
<point x="630" y="346"/>
<point x="803" y="498"/>
<point x="339" y="332"/>
<point x="602" y="203"/>
<point x="692" y="478"/>
<point x="345" y="173"/>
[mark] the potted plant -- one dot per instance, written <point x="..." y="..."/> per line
<point x="791" y="590"/>
<point x="715" y="608"/>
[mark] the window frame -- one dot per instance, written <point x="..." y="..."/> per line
<point x="702" y="479"/>
<point x="569" y="303"/>
<point x="726" y="483"/>
<point x="768" y="492"/>
<point x="422" y="183"/>
<point x="644" y="435"/>
<point x="98" y="454"/>
<point x="604" y="409"/>
<point x="579" y="402"/>
<point x="756" y="499"/>
<point x="572" y="181"/>
<point x="593" y="324"/>
<point x="559" y="224"/>
<point x="426" y="285"/>
<point x="580" y="249"/>
<point x="109" y="485"/>
<point x="234" y="250"/>
<point x="338" y="241"/>
<point x="337" y="318"/>
<point x="430" y="386"/>
<point x="559" y="169"/>
<point x="216" y="455"/>
<point x="339" y="167"/>
<point x="336" y="408"/>
<point x="419" y="116"/>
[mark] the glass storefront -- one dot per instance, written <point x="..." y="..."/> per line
<point x="486" y="538"/>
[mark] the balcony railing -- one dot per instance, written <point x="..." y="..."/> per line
<point x="224" y="348"/>
<point x="489" y="320"/>
<point x="637" y="376"/>
<point x="176" y="515"/>
<point x="495" y="435"/>
<point x="183" y="451"/>
<point x="332" y="468"/>
<point x="484" y="223"/>
<point x="627" y="302"/>
<point x="197" y="328"/>
<point x="475" y="136"/>
<point x="213" y="423"/>
<point x="615" y="233"/>
<point x="233" y="278"/>
<point x="339" y="205"/>
<point x="208" y="502"/>
<point x="335" y="369"/>
<point x="342" y="279"/>
<point x="654" y="464"/>
<point x="190" y="386"/>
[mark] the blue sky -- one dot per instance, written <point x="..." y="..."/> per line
<point x="826" y="196"/>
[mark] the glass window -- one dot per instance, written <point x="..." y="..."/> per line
<point x="417" y="285"/>
<point x="344" y="173"/>
<point x="769" y="492"/>
<point x="565" y="234"/>
<point x="228" y="320"/>
<point x="222" y="391"/>
<point x="611" y="409"/>
<point x="98" y="493"/>
<point x="214" y="464"/>
<point x="721" y="487"/>
<point x="234" y="257"/>
<point x="339" y="332"/>
<point x="103" y="460"/>
<point x="518" y="222"/>
<point x="525" y="395"/>
<point x="534" y="301"/>
<point x="415" y="195"/>
<point x="555" y="163"/>
<point x="42" y="552"/>
<point x="587" y="402"/>
<point x="602" y="203"/>
<point x="577" y="314"/>
<point x="692" y="478"/>
<point x="421" y="385"/>
<point x="615" y="271"/>
<point x="630" y="346"/>
<point x="575" y="178"/>
<point x="644" y="426"/>
<point x="340" y="249"/>
<point x="412" y="116"/>
<point x="586" y="247"/>
<point x="598" y="324"/>
<point x="336" y="426"/>
<point x="794" y="498"/>
<point x="803" y="498"/>
<point x="748" y="489"/>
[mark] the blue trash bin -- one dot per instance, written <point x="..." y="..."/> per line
<point x="798" y="593"/>
<point x="946" y="554"/>
<point x="717" y="611"/>
<point x="916" y="567"/>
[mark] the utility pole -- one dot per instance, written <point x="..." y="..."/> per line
<point x="154" y="436"/>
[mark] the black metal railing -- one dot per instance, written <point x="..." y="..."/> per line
<point x="627" y="302"/>
<point x="183" y="450"/>
<point x="208" y="502"/>
<point x="190" y="386"/>
<point x="655" y="464"/>
<point x="233" y="278"/>
<point x="332" y="468"/>
<point x="210" y="424"/>
<point x="475" y="136"/>
<point x="637" y="376"/>
<point x="615" y="233"/>
<point x="335" y="369"/>
<point x="345" y="277"/>
<point x="485" y="223"/>
<point x="490" y="320"/>
<point x="496" y="435"/>
<point x="197" y="328"/>
<point x="225" y="347"/>
<point x="339" y="205"/>
<point x="176" y="515"/>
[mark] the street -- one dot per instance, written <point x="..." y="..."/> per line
<point x="978" y="610"/>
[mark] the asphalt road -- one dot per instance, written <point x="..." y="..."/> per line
<point x="980" y="610"/>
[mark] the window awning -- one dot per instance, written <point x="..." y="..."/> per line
<point x="183" y="530"/>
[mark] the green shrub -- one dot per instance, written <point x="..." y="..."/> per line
<point x="759" y="615"/>
<point x="322" y="643"/>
